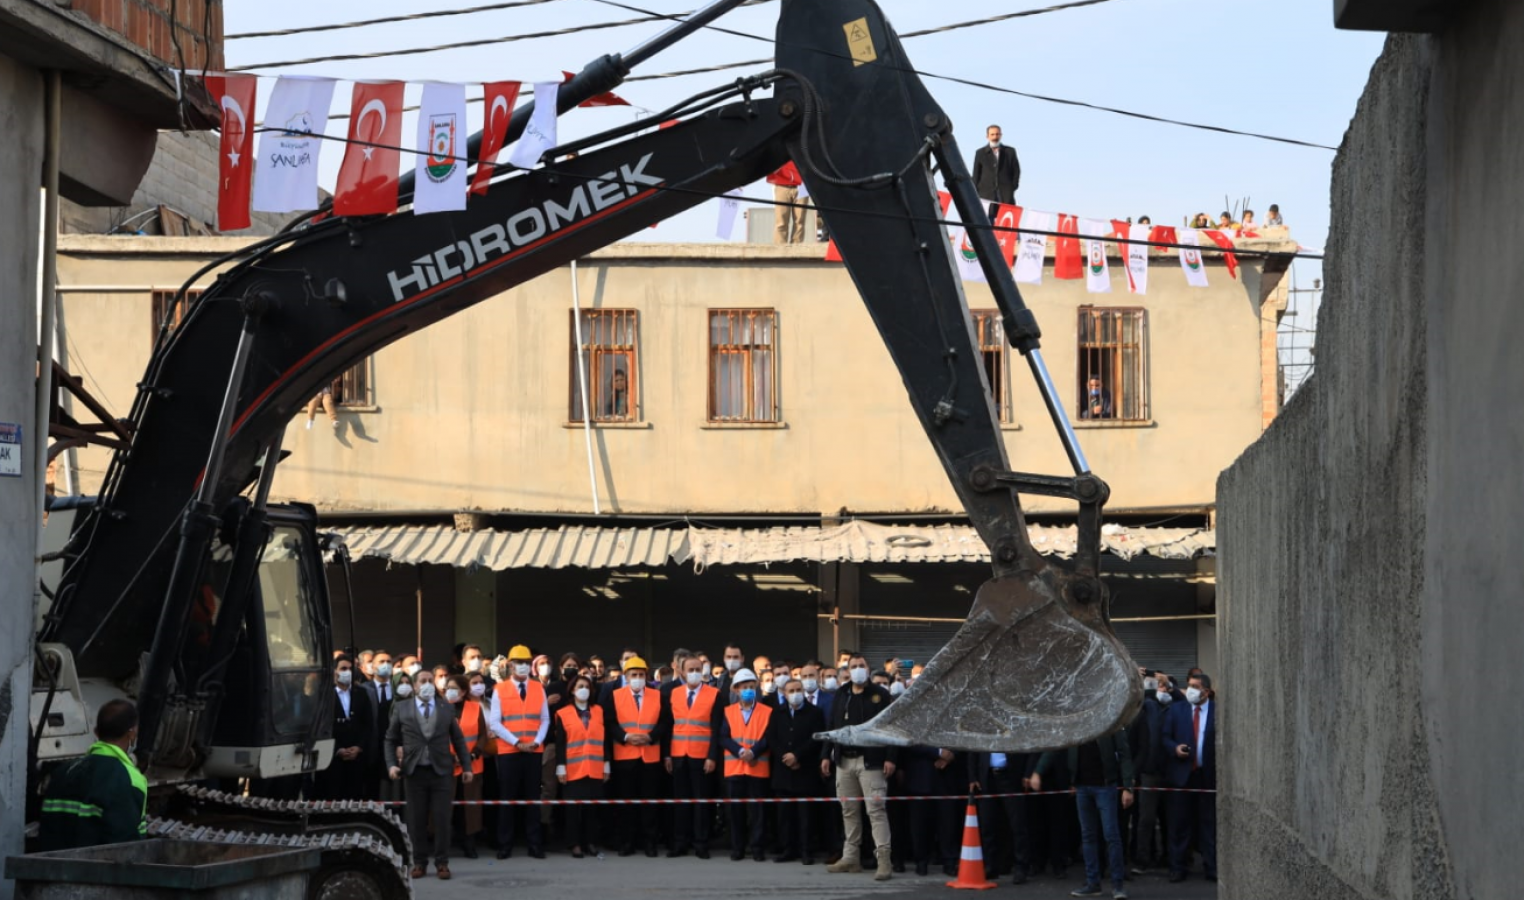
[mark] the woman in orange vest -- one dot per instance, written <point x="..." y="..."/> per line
<point x="743" y="735"/>
<point x="473" y="724"/>
<point x="582" y="764"/>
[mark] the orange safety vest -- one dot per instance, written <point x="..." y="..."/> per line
<point x="584" y="745"/>
<point x="692" y="728"/>
<point x="747" y="734"/>
<point x="470" y="723"/>
<point x="633" y="720"/>
<point x="520" y="717"/>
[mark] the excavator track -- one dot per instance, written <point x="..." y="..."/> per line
<point x="366" y="852"/>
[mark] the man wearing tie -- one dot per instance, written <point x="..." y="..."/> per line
<point x="379" y="687"/>
<point x="1189" y="740"/>
<point x="634" y="716"/>
<point x="427" y="732"/>
<point x="997" y="171"/>
<point x="795" y="768"/>
<point x="520" y="717"/>
<point x="691" y="724"/>
<point x="354" y="739"/>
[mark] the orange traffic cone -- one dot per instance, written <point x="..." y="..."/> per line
<point x="971" y="865"/>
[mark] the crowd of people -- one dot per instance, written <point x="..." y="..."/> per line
<point x="527" y="727"/>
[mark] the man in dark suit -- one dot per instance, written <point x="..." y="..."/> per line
<point x="354" y="739"/>
<point x="1189" y="741"/>
<point x="997" y="171"/>
<point x="424" y="726"/>
<point x="1003" y="773"/>
<point x="379" y="689"/>
<point x="796" y="768"/>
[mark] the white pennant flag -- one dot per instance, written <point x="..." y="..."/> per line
<point x="1137" y="259"/>
<point x="540" y="134"/>
<point x="966" y="257"/>
<point x="285" y="177"/>
<point x="1190" y="259"/>
<point x="730" y="207"/>
<point x="441" y="183"/>
<point x="1033" y="247"/>
<point x="1097" y="270"/>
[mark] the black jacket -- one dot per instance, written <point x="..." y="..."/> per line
<point x="850" y="708"/>
<point x="795" y="733"/>
<point x="100" y="798"/>
<point x="997" y="180"/>
<point x="1116" y="762"/>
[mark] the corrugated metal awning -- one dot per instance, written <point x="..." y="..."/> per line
<point x="575" y="546"/>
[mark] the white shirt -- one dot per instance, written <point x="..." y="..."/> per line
<point x="495" y="716"/>
<point x="1205" y="708"/>
<point x="343" y="699"/>
<point x="433" y="706"/>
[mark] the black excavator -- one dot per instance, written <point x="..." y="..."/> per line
<point x="183" y="588"/>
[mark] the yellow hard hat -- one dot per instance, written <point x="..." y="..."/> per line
<point x="520" y="651"/>
<point x="635" y="662"/>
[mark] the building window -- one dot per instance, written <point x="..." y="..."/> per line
<point x="743" y="365"/>
<point x="994" y="352"/>
<point x="353" y="388"/>
<point x="1113" y="364"/>
<point x="609" y="341"/>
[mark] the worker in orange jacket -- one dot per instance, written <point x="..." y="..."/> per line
<point x="633" y="717"/>
<point x="693" y="714"/>
<point x="743" y="738"/>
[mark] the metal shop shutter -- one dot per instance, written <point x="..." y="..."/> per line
<point x="919" y="641"/>
<point x="1168" y="646"/>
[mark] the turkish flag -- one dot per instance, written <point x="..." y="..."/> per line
<point x="607" y="98"/>
<point x="1007" y="220"/>
<point x="1225" y="243"/>
<point x="1163" y="234"/>
<point x="235" y="157"/>
<point x="1066" y="259"/>
<point x="499" y="97"/>
<point x="368" y="177"/>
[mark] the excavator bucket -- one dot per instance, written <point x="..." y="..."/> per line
<point x="1026" y="672"/>
<point x="1036" y="666"/>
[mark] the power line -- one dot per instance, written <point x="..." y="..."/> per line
<point x="308" y="29"/>
<point x="758" y="201"/>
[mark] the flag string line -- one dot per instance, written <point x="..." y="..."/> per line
<point x="1205" y="249"/>
<point x="669" y="801"/>
<point x="651" y="16"/>
<point x="361" y="23"/>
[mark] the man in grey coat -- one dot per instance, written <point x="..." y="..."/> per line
<point x="424" y="726"/>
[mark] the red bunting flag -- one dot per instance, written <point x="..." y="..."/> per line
<point x="368" y="176"/>
<point x="1163" y="234"/>
<point x="1007" y="220"/>
<point x="607" y="98"/>
<point x="1225" y="243"/>
<point x="1066" y="259"/>
<point x="499" y="96"/>
<point x="235" y="160"/>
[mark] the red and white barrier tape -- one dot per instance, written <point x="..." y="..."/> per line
<point x="668" y="801"/>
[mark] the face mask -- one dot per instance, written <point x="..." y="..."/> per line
<point x="425" y="691"/>
<point x="452" y="695"/>
<point x="748" y="695"/>
<point x="832" y="684"/>
<point x="346" y="677"/>
<point x="1095" y="392"/>
<point x="582" y="694"/>
<point x="404" y="690"/>
<point x="439" y="685"/>
<point x="811" y="685"/>
<point x="732" y="665"/>
<point x="694" y="679"/>
<point x="474" y="665"/>
<point x="796" y="700"/>
<point x="637" y="682"/>
<point x="384" y="670"/>
<point x="859" y="676"/>
<point x="568" y="674"/>
<point x="1193" y="695"/>
<point x="413" y="669"/>
<point x="896" y="688"/>
<point x="769" y="687"/>
<point x="544" y="670"/>
<point x="521" y="670"/>
<point x="478" y="688"/>
<point x="708" y="676"/>
<point x="1150" y="684"/>
<point x="1164" y="697"/>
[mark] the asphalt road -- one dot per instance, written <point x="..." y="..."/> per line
<point x="561" y="877"/>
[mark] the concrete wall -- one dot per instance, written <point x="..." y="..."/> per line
<point x="1370" y="635"/>
<point x="472" y="413"/>
<point x="21" y="151"/>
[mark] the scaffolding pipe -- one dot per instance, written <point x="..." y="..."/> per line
<point x="587" y="411"/>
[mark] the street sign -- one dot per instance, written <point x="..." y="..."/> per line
<point x="10" y="450"/>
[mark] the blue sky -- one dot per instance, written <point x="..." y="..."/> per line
<point x="1275" y="68"/>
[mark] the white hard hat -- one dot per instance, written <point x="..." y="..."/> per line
<point x="743" y="675"/>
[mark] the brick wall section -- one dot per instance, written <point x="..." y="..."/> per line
<point x="155" y="25"/>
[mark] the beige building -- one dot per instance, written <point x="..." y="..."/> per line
<point x="732" y="386"/>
